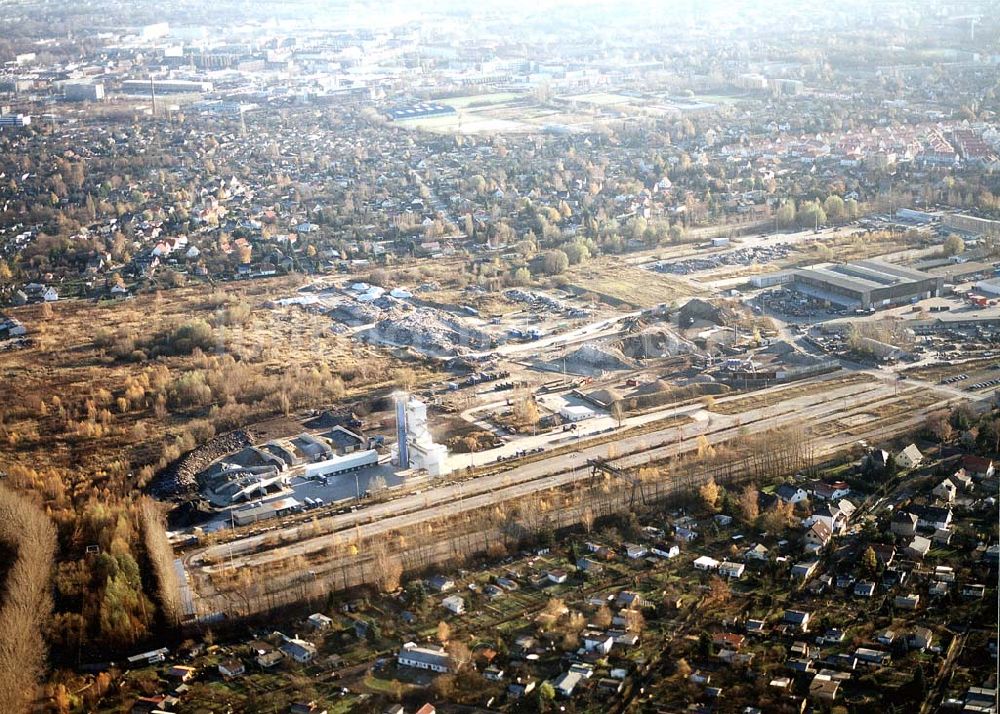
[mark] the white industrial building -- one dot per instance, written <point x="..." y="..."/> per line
<point x="342" y="464"/>
<point x="989" y="287"/>
<point x="415" y="447"/>
<point x="575" y="412"/>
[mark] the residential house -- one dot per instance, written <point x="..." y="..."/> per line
<point x="232" y="668"/>
<point x="454" y="603"/>
<point x="823" y="491"/>
<point x="629" y="599"/>
<point x="844" y="581"/>
<point x="556" y="576"/>
<point x="267" y="659"/>
<point x="920" y="639"/>
<point x="871" y="656"/>
<point x="963" y="481"/>
<point x="875" y="460"/>
<point x="594" y="641"/>
<point x="427" y="708"/>
<point x="906" y="602"/>
<point x="588" y="565"/>
<point x="885" y="554"/>
<point x="790" y="493"/>
<point x="823" y="688"/>
<point x="978" y="467"/>
<point x="635" y="552"/>
<point x="705" y="562"/>
<point x="521" y="688"/>
<point x="320" y="622"/>
<point x="886" y="637"/>
<point x="909" y="458"/>
<point x="728" y="640"/>
<point x="830" y="515"/>
<point x="728" y="569"/>
<point x="181" y="672"/>
<point x="818" y="536"/>
<point x="685" y="534"/>
<point x="804" y="570"/>
<point x="974" y="591"/>
<point x="942" y="535"/>
<point x="434" y="659"/>
<point x="798" y="619"/>
<point x="756" y="627"/>
<point x="300" y="650"/>
<point x="945" y="491"/>
<point x="493" y="673"/>
<point x="441" y="583"/>
<point x="864" y="588"/>
<point x="918" y="547"/>
<point x="932" y="517"/>
<point x="903" y="523"/>
<point x="565" y="684"/>
<point x="624" y="639"/>
<point x="665" y="550"/>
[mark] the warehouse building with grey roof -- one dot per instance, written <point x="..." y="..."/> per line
<point x="866" y="284"/>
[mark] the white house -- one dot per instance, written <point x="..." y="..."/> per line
<point x="594" y="641"/>
<point x="919" y="546"/>
<point x="232" y="668"/>
<point x="945" y="490"/>
<point x="301" y="651"/>
<point x="319" y="621"/>
<point x="909" y="458"/>
<point x="565" y="683"/>
<point x="705" y="562"/>
<point x="556" y="576"/>
<point x="635" y="551"/>
<point x="454" y="603"/>
<point x="665" y="551"/>
<point x="789" y="493"/>
<point x="728" y="569"/>
<point x="432" y="658"/>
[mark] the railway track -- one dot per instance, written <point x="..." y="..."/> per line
<point x="457" y="498"/>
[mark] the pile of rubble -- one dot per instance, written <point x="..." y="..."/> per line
<point x="180" y="478"/>
<point x="593" y="360"/>
<point x="653" y="342"/>
<point x="742" y="256"/>
<point x="355" y="313"/>
<point x="426" y="330"/>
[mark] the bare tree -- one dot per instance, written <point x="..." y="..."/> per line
<point x="388" y="568"/>
<point x="27" y="604"/>
<point x="749" y="504"/>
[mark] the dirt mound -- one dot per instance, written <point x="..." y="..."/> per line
<point x="652" y="343"/>
<point x="592" y="360"/>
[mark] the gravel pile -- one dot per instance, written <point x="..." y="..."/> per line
<point x="180" y="478"/>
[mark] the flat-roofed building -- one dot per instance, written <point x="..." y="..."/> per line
<point x="866" y="284"/>
<point x="271" y="509"/>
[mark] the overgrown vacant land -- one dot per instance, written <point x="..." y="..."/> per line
<point x="108" y="394"/>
